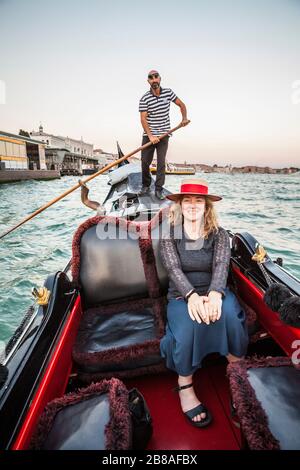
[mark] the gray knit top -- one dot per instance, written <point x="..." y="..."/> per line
<point x="201" y="264"/>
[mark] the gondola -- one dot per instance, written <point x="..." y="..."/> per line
<point x="101" y="317"/>
<point x="172" y="169"/>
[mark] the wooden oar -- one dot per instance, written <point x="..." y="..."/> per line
<point x="89" y="178"/>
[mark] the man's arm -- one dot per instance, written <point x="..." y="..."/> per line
<point x="183" y="110"/>
<point x="147" y="129"/>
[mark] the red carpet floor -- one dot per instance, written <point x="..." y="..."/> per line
<point x="171" y="430"/>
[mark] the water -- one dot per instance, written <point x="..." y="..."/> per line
<point x="268" y="206"/>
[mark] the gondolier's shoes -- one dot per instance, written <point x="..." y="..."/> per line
<point x="159" y="195"/>
<point x="144" y="190"/>
<point x="190" y="414"/>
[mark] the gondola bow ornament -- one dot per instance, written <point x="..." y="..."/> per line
<point x="277" y="296"/>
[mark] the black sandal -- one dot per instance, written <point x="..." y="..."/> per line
<point x="190" y="414"/>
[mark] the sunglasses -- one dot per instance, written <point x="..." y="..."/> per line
<point x="154" y="75"/>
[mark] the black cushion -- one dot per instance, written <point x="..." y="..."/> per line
<point x="93" y="418"/>
<point x="124" y="316"/>
<point x="278" y="390"/>
<point x="110" y="269"/>
<point x="80" y="426"/>
<point x="102" y="332"/>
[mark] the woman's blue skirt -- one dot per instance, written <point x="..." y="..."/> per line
<point x="187" y="342"/>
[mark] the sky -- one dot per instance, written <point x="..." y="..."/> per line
<point x="80" y="68"/>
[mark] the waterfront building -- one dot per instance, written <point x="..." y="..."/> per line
<point x="104" y="158"/>
<point x="75" y="146"/>
<point x="66" y="154"/>
<point x="21" y="153"/>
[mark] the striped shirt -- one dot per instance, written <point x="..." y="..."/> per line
<point x="158" y="109"/>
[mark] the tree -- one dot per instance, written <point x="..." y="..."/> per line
<point x="24" y="133"/>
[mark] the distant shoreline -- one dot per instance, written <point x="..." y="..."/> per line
<point x="243" y="169"/>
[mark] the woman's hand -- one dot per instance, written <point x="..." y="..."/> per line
<point x="214" y="306"/>
<point x="196" y="308"/>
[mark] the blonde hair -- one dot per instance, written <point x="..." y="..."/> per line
<point x="210" y="216"/>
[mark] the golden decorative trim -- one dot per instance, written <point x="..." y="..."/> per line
<point x="41" y="295"/>
<point x="260" y="254"/>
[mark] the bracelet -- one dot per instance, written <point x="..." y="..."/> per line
<point x="188" y="295"/>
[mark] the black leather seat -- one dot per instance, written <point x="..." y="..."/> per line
<point x="266" y="396"/>
<point x="94" y="418"/>
<point x="122" y="283"/>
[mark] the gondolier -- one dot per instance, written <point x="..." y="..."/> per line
<point x="154" y="108"/>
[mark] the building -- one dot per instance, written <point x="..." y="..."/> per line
<point x="12" y="153"/>
<point x="21" y="153"/>
<point x="68" y="155"/>
<point x="78" y="147"/>
<point x="104" y="158"/>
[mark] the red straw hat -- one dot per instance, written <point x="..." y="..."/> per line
<point x="194" y="187"/>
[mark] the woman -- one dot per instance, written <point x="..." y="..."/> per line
<point x="204" y="316"/>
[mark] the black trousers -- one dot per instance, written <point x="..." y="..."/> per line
<point x="147" y="157"/>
